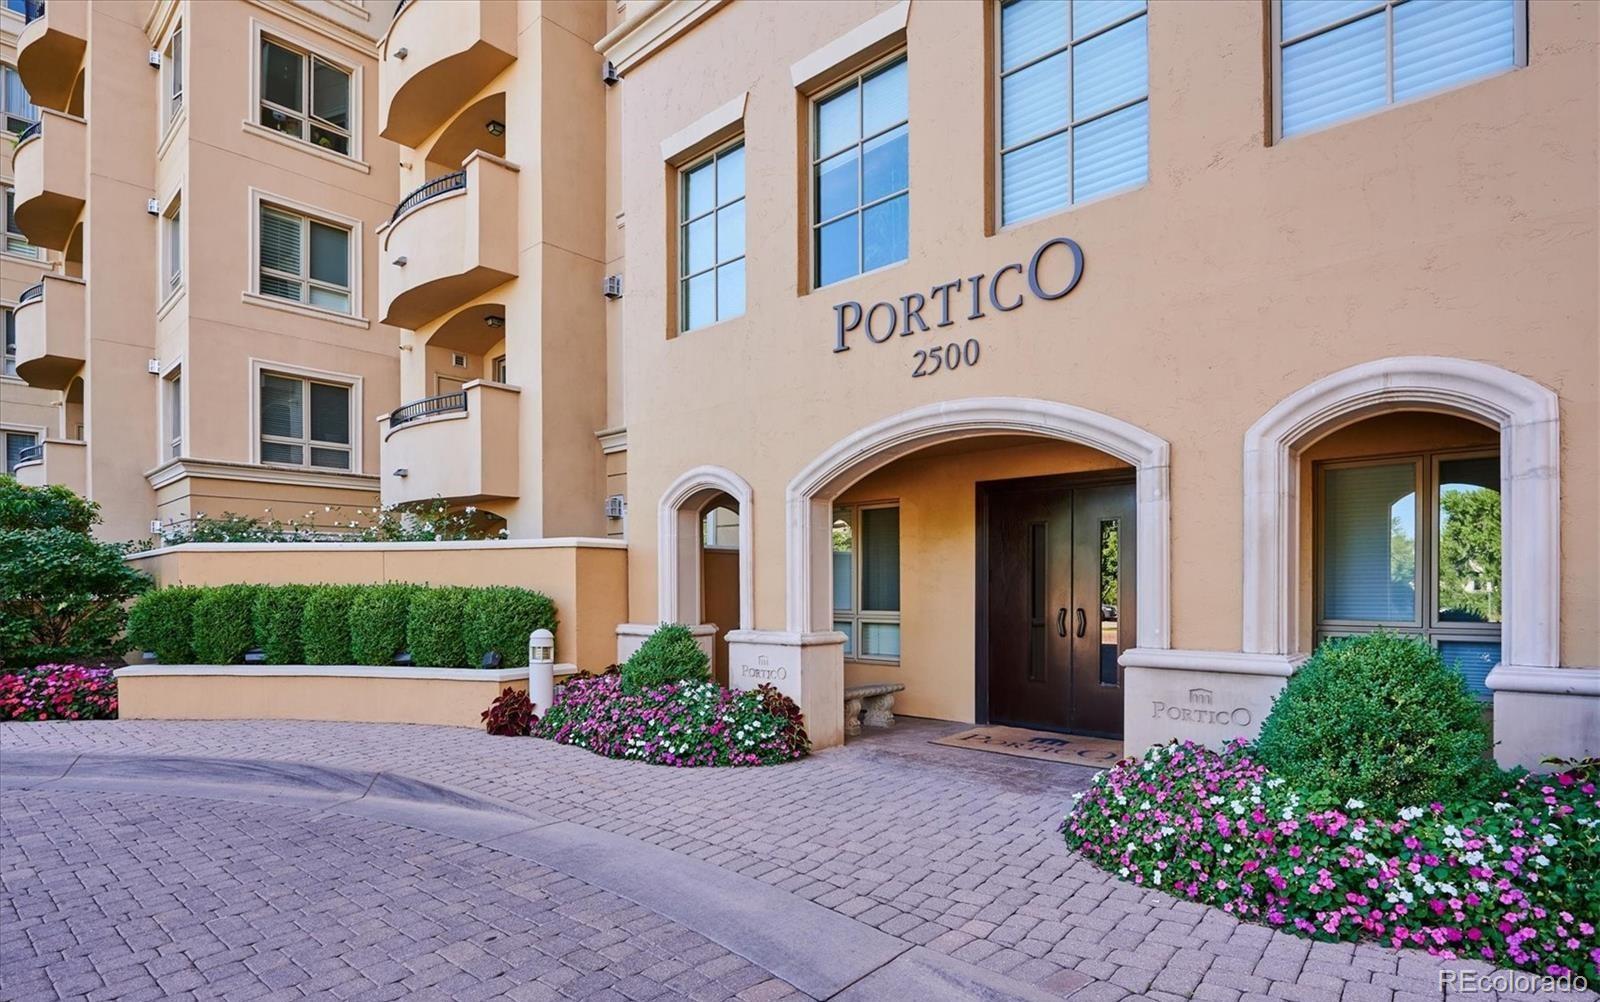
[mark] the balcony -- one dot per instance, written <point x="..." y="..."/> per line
<point x="55" y="461"/>
<point x="450" y="241"/>
<point x="435" y="57"/>
<point x="458" y="446"/>
<point x="50" y="50"/>
<point x="51" y="320"/>
<point x="51" y="165"/>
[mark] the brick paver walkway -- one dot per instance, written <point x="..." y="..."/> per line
<point x="953" y="849"/>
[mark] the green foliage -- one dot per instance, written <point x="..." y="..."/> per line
<point x="53" y="507"/>
<point x="510" y="715"/>
<point x="277" y="617"/>
<point x="433" y="628"/>
<point x="62" y="595"/>
<point x="1469" y="556"/>
<point x="378" y="623"/>
<point x="161" y="622"/>
<point x="325" y="624"/>
<point x="668" y="655"/>
<point x="499" y="618"/>
<point x="418" y="521"/>
<point x="224" y="623"/>
<point x="1378" y="718"/>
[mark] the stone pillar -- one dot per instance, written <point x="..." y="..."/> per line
<point x="806" y="667"/>
<point x="1208" y="697"/>
<point x="1541" y="713"/>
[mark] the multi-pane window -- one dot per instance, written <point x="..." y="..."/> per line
<point x="860" y="175"/>
<point x="9" y="367"/>
<point x="174" y="429"/>
<point x="18" y="442"/>
<point x="866" y="580"/>
<point x="1074" y="102"/>
<point x="1339" y="58"/>
<point x="1412" y="545"/>
<point x="172" y="78"/>
<point x="711" y="239"/>
<point x="305" y="422"/>
<point x="19" y="110"/>
<point x="304" y="260"/>
<point x="305" y="96"/>
<point x="497" y="369"/>
<point x="16" y="242"/>
<point x="172" y="247"/>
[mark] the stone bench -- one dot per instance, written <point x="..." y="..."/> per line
<point x="871" y="704"/>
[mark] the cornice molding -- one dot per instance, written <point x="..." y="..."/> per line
<point x="184" y="467"/>
<point x="639" y="37"/>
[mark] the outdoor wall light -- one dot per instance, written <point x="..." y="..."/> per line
<point x="491" y="659"/>
<point x="494" y="321"/>
<point x="402" y="473"/>
<point x="496" y="127"/>
<point x="402" y="52"/>
<point x="401" y="260"/>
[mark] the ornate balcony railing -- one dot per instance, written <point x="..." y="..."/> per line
<point x="32" y="292"/>
<point x="30" y="132"/>
<point x="440" y="185"/>
<point x="444" y="403"/>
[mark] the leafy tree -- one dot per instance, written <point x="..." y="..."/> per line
<point x="1469" y="556"/>
<point x="62" y="597"/>
<point x="44" y="507"/>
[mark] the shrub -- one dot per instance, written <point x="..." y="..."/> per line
<point x="1507" y="879"/>
<point x="325" y="624"/>
<point x="499" y="618"/>
<point x="161" y="622"/>
<point x="668" y="655"/>
<point x="510" y="715"/>
<point x="378" y="623"/>
<point x="53" y="507"/>
<point x="688" y="724"/>
<point x="63" y="595"/>
<point x="277" y="617"/>
<point x="1378" y="718"/>
<point x="58" y="692"/>
<point x="223" y="623"/>
<point x="433" y="628"/>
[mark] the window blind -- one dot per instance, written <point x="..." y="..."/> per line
<point x="1369" y="518"/>
<point x="880" y="559"/>
<point x="280" y="252"/>
<point x="330" y="413"/>
<point x="281" y="407"/>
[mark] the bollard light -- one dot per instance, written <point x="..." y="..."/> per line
<point x="541" y="669"/>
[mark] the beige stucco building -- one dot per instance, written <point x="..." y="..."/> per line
<point x="1079" y="366"/>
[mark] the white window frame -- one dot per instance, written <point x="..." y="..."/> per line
<point x="37" y="434"/>
<point x="1276" y="45"/>
<point x="354" y="247"/>
<point x="172" y="390"/>
<point x="711" y="160"/>
<point x="850" y="514"/>
<point x="8" y="71"/>
<point x="497" y="369"/>
<point x="1073" y="123"/>
<point x="174" y="67"/>
<point x="8" y="350"/>
<point x="270" y="33"/>
<point x="352" y="382"/>
<point x="16" y="242"/>
<point x="172" y="245"/>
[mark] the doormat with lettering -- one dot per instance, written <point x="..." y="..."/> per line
<point x="1047" y="746"/>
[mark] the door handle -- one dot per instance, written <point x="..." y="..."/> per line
<point x="1083" y="622"/>
<point x="1061" y="621"/>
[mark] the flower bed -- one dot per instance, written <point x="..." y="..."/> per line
<point x="680" y="724"/>
<point x="58" y="692"/>
<point x="1509" y="881"/>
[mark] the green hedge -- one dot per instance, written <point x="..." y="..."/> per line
<point x="668" y="656"/>
<point x="448" y="627"/>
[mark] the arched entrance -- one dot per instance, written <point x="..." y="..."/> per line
<point x="679" y="523"/>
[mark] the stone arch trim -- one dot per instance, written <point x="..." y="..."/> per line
<point x="810" y="494"/>
<point x="1527" y="416"/>
<point x="678" y="597"/>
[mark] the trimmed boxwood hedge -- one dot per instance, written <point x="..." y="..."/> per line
<point x="450" y="627"/>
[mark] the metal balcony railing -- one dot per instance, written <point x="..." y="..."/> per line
<point x="32" y="292"/>
<point x="433" y="189"/>
<point x="444" y="403"/>
<point x="31" y="454"/>
<point x="32" y="10"/>
<point x="402" y="5"/>
<point x="33" y="130"/>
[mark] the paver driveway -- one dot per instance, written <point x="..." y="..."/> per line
<point x="940" y="869"/>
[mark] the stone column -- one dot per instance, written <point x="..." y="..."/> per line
<point x="806" y="667"/>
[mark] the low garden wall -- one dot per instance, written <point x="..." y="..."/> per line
<point x="586" y="578"/>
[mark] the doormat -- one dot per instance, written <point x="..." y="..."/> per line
<point x="1047" y="746"/>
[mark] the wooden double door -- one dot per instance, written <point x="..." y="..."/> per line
<point x="1058" y="604"/>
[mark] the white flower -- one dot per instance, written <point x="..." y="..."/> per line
<point x="1410" y="813"/>
<point x="1541" y="860"/>
<point x="1548" y="839"/>
<point x="1354" y="805"/>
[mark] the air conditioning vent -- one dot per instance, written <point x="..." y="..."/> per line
<point x="616" y="506"/>
<point x="613" y="287"/>
<point x="458" y="360"/>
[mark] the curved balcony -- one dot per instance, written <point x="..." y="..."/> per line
<point x="55" y="461"/>
<point x="450" y="241"/>
<point x="51" y="167"/>
<point x="51" y="320"/>
<point x="435" y="57"/>
<point x="50" y="50"/>
<point x="457" y="446"/>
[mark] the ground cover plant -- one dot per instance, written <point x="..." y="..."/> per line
<point x="58" y="692"/>
<point x="1495" y="866"/>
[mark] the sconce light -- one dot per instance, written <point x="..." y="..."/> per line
<point x="494" y="321"/>
<point x="401" y="260"/>
<point x="402" y="473"/>
<point x="496" y="127"/>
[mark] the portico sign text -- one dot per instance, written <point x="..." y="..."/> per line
<point x="969" y="298"/>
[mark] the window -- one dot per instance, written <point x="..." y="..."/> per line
<point x="860" y="175"/>
<point x="16" y="243"/>
<point x="174" y="393"/>
<point x="172" y="78"/>
<point x="711" y="239"/>
<point x="866" y="580"/>
<point x="20" y="112"/>
<point x="1074" y="102"/>
<point x="498" y="369"/>
<point x="10" y="366"/>
<point x="305" y="422"/>
<point x="1339" y="58"/>
<point x="304" y="260"/>
<point x="172" y="246"/>
<point x="305" y="96"/>
<point x="16" y="443"/>
<point x="1412" y="545"/>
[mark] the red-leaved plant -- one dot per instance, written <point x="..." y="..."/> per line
<point x="510" y="715"/>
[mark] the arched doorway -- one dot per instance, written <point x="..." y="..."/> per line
<point x="703" y="520"/>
